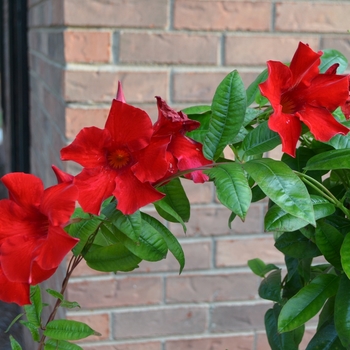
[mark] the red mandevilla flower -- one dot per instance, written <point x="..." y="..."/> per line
<point x="129" y="157"/>
<point x="299" y="93"/>
<point x="32" y="240"/>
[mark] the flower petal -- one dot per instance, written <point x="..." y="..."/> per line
<point x="14" y="292"/>
<point x="61" y="175"/>
<point x="321" y="123"/>
<point x="152" y="163"/>
<point x="129" y="126"/>
<point x="288" y="127"/>
<point x="94" y="186"/>
<point x="190" y="156"/>
<point x="120" y="94"/>
<point x="24" y="189"/>
<point x="88" y="148"/>
<point x="132" y="194"/>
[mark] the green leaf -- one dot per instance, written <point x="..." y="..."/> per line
<point x="330" y="57"/>
<point x="340" y="141"/>
<point x="168" y="213"/>
<point x="14" y="321"/>
<point x="14" y="344"/>
<point x="345" y="254"/>
<point x="33" y="311"/>
<point x="177" y="199"/>
<point x="276" y="219"/>
<point x="196" y="110"/>
<point x="130" y="225"/>
<point x="282" y="186"/>
<point x="334" y="159"/>
<point x="228" y="110"/>
<point x="115" y="257"/>
<point x="199" y="133"/>
<point x="342" y="311"/>
<point x="296" y="245"/>
<point x="307" y="302"/>
<point x="69" y="304"/>
<point x="281" y="341"/>
<point x="68" y="330"/>
<point x="232" y="187"/>
<point x="260" y="268"/>
<point x="53" y="344"/>
<point x="329" y="241"/>
<point x="253" y="88"/>
<point x="325" y="339"/>
<point x="55" y="294"/>
<point x="260" y="140"/>
<point x="270" y="287"/>
<point x="173" y="244"/>
<point x="33" y="329"/>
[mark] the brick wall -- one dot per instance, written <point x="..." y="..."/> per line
<point x="180" y="50"/>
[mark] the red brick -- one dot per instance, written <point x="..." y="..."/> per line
<point x="198" y="193"/>
<point x="236" y="252"/>
<point x="197" y="255"/>
<point x="338" y="43"/>
<point x="160" y="322"/>
<point x="234" y="318"/>
<point x="310" y="16"/>
<point x="169" y="48"/>
<point x="83" y="269"/>
<point x="116" y="13"/>
<point x="46" y="13"/>
<point x="116" y="292"/>
<point x="87" y="46"/>
<point x="98" y="322"/>
<point x="238" y="342"/>
<point x="130" y="346"/>
<point x="256" y="50"/>
<point x="211" y="288"/>
<point x="97" y="86"/>
<point x="222" y="15"/>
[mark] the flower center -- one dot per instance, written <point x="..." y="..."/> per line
<point x="118" y="159"/>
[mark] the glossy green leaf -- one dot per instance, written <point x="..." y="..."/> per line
<point x="173" y="244"/>
<point x="282" y="186"/>
<point x="276" y="219"/>
<point x="342" y="311"/>
<point x="53" y="344"/>
<point x="68" y="330"/>
<point x="130" y="225"/>
<point x="200" y="133"/>
<point x="330" y="57"/>
<point x="196" y="110"/>
<point x="329" y="241"/>
<point x="307" y="302"/>
<point x="326" y="316"/>
<point x="345" y="254"/>
<point x="232" y="187"/>
<point x="334" y="159"/>
<point x="14" y="344"/>
<point x="228" y="110"/>
<point x="260" y="268"/>
<point x="112" y="258"/>
<point x="270" y="287"/>
<point x="281" y="341"/>
<point x="260" y="140"/>
<point x="168" y="213"/>
<point x="325" y="339"/>
<point x="253" y="88"/>
<point x="340" y="141"/>
<point x="296" y="245"/>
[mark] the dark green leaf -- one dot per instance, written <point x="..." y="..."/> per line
<point x="345" y="255"/>
<point x="68" y="330"/>
<point x="168" y="213"/>
<point x="228" y="110"/>
<point x="130" y="225"/>
<point x="14" y="344"/>
<point x="326" y="316"/>
<point x="296" y="245"/>
<point x="112" y="258"/>
<point x="253" y="88"/>
<point x="260" y="268"/>
<point x="330" y="57"/>
<point x="257" y="194"/>
<point x="329" y="241"/>
<point x="173" y="244"/>
<point x="270" y="287"/>
<point x="53" y="344"/>
<point x="282" y="186"/>
<point x="307" y="302"/>
<point x="260" y="140"/>
<point x="232" y="187"/>
<point x="325" y="339"/>
<point x="334" y="159"/>
<point x="342" y="311"/>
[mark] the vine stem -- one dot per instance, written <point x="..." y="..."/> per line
<point x="73" y="263"/>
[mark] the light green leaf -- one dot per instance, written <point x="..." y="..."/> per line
<point x="196" y="110"/>
<point x="33" y="329"/>
<point x="68" y="330"/>
<point x="253" y="88"/>
<point x="334" y="159"/>
<point x="53" y="344"/>
<point x="330" y="57"/>
<point x="260" y="268"/>
<point x="130" y="225"/>
<point x="173" y="244"/>
<point x="282" y="186"/>
<point x="307" y="302"/>
<point x="228" y="110"/>
<point x="14" y="344"/>
<point x="232" y="187"/>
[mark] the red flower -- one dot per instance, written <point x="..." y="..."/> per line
<point x="32" y="240"/>
<point x="299" y="93"/>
